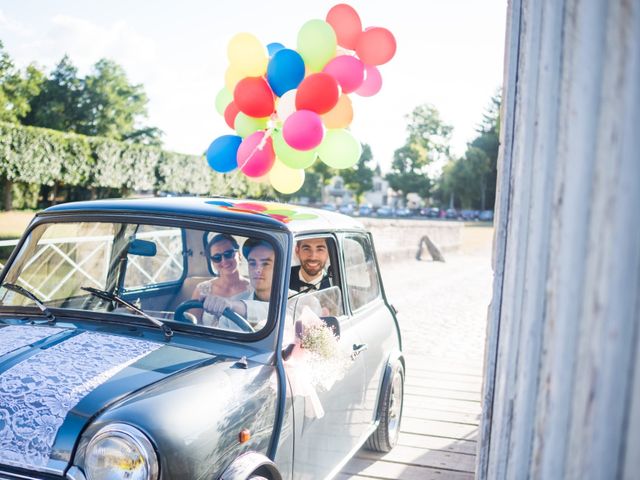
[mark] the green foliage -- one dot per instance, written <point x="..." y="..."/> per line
<point x="360" y="178"/>
<point x="427" y="141"/>
<point x="470" y="182"/>
<point x="60" y="104"/>
<point x="70" y="163"/>
<point x="104" y="103"/>
<point x="16" y="89"/>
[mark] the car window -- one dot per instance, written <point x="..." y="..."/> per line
<point x="360" y="269"/>
<point x="165" y="266"/>
<point x="163" y="270"/>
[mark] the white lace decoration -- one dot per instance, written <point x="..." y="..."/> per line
<point x="37" y="394"/>
<point x="14" y="337"/>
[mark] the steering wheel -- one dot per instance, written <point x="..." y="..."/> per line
<point x="240" y="322"/>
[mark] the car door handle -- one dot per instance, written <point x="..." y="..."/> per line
<point x="358" y="349"/>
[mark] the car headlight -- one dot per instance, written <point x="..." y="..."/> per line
<point x="118" y="452"/>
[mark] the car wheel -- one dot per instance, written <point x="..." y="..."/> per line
<point x="386" y="435"/>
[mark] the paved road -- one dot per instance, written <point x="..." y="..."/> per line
<point x="443" y="310"/>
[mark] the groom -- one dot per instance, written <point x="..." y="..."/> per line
<point x="311" y="273"/>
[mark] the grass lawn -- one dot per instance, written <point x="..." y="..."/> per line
<point x="12" y="224"/>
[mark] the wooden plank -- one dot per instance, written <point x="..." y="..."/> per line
<point x="439" y="429"/>
<point x="442" y="393"/>
<point x="435" y="375"/>
<point x="422" y="457"/>
<point x="501" y="221"/>
<point x="389" y="470"/>
<point x="437" y="443"/>
<point x="449" y="405"/>
<point x="453" y="386"/>
<point x="442" y="415"/>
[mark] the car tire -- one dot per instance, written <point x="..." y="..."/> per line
<point x="386" y="435"/>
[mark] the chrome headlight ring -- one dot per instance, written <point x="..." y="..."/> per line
<point x="120" y="451"/>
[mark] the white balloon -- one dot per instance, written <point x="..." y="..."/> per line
<point x="286" y="105"/>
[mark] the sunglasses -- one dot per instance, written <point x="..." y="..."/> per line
<point x="227" y="254"/>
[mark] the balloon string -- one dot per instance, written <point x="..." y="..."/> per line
<point x="267" y="134"/>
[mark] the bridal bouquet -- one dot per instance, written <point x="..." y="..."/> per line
<point x="316" y="362"/>
<point x="326" y="361"/>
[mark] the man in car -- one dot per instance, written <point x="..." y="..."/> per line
<point x="311" y="273"/>
<point x="261" y="258"/>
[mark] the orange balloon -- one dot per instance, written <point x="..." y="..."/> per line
<point x="339" y="116"/>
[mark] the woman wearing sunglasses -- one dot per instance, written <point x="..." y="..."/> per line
<point x="222" y="251"/>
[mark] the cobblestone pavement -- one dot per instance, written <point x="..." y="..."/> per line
<point x="442" y="311"/>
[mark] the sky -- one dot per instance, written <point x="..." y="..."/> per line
<point x="449" y="54"/>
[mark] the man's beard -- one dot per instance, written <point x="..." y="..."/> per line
<point x="312" y="271"/>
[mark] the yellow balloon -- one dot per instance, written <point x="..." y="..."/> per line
<point x="284" y="179"/>
<point x="247" y="55"/>
<point x="231" y="77"/>
<point x="339" y="116"/>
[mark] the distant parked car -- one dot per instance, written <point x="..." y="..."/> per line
<point x="365" y="210"/>
<point x="469" y="214"/>
<point x="451" y="213"/>
<point x="330" y="207"/>
<point x="346" y="209"/>
<point x="486" y="216"/>
<point x="403" y="212"/>
<point x="385" y="212"/>
<point x="431" y="212"/>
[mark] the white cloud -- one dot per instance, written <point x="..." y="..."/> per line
<point x="86" y="42"/>
<point x="8" y="24"/>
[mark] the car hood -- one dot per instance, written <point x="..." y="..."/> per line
<point x="53" y="381"/>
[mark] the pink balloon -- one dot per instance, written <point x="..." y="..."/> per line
<point x="347" y="70"/>
<point x="372" y="82"/>
<point x="303" y="130"/>
<point x="255" y="156"/>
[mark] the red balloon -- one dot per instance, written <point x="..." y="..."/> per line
<point x="254" y="97"/>
<point x="318" y="92"/>
<point x="230" y="114"/>
<point x="376" y="46"/>
<point x="346" y="23"/>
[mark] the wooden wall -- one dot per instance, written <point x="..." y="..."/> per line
<point x="561" y="397"/>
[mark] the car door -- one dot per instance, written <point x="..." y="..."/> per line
<point x="323" y="444"/>
<point x="369" y="314"/>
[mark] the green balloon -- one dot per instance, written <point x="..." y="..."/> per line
<point x="246" y="125"/>
<point x="339" y="149"/>
<point x="223" y="99"/>
<point x="317" y="44"/>
<point x="290" y="156"/>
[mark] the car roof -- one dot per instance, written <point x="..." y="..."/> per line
<point x="295" y="218"/>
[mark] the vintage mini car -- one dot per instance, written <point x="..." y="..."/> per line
<point x="112" y="367"/>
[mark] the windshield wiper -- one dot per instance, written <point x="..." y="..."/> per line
<point x="26" y="293"/>
<point x="112" y="297"/>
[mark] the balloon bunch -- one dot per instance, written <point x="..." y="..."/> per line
<point x="289" y="107"/>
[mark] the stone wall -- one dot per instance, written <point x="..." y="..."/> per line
<point x="399" y="239"/>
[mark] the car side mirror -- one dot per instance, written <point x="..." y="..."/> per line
<point x="142" y="248"/>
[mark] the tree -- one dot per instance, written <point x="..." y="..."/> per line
<point x="16" y="89"/>
<point x="104" y="103"/>
<point x="427" y="141"/>
<point x="115" y="105"/>
<point x="61" y="103"/>
<point x="360" y="178"/>
<point x="470" y="181"/>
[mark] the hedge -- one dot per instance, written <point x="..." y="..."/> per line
<point x="39" y="156"/>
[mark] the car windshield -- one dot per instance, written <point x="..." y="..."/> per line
<point x="212" y="279"/>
